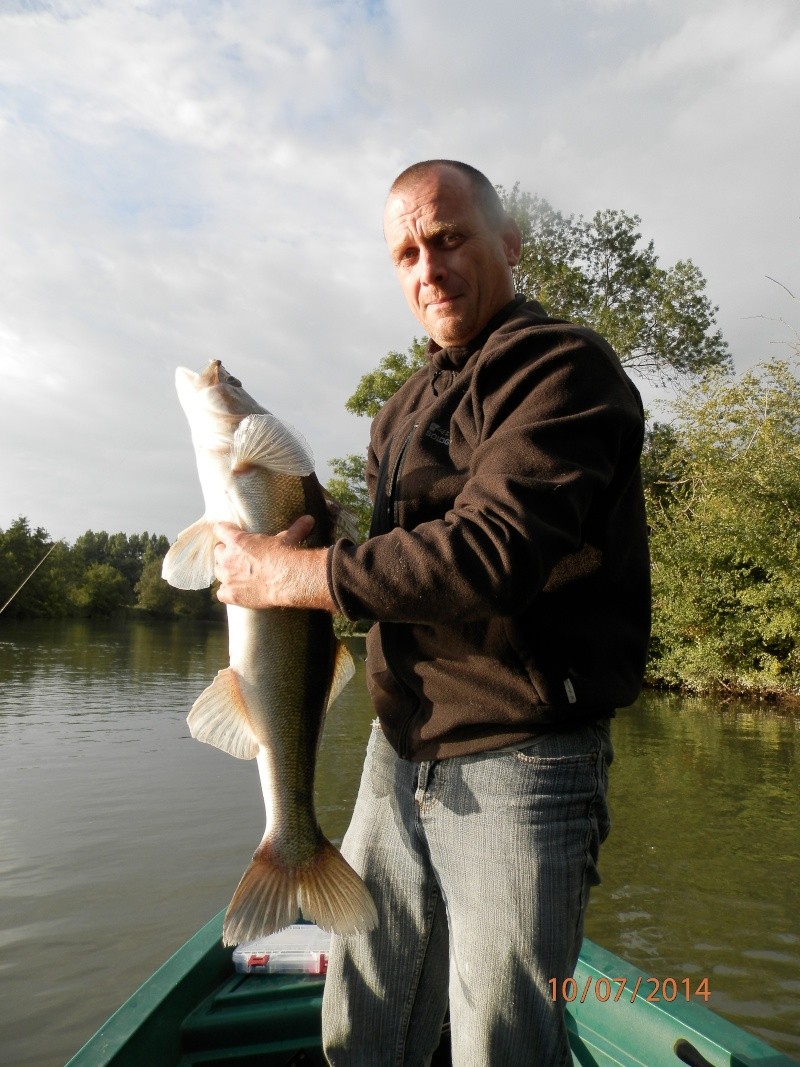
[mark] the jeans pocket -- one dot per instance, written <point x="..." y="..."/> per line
<point x="584" y="744"/>
<point x="380" y="763"/>
<point x="525" y="755"/>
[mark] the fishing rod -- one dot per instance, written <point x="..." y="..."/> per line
<point x="35" y="569"/>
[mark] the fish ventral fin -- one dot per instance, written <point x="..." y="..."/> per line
<point x="265" y="441"/>
<point x="219" y="717"/>
<point x="189" y="564"/>
<point x="343" y="671"/>
<point x="326" y="890"/>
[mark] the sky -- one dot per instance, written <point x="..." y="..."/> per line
<point x="186" y="180"/>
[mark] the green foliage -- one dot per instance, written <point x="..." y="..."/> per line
<point x="598" y="273"/>
<point x="157" y="597"/>
<point x="726" y="536"/>
<point x="102" y="591"/>
<point x="375" y="388"/>
<point x="125" y="552"/>
<point x="153" y="594"/>
<point x="99" y="575"/>
<point x="348" y="486"/>
<point x="21" y="550"/>
<point x="663" y="472"/>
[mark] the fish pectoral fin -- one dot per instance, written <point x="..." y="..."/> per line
<point x="219" y="717"/>
<point x="343" y="671"/>
<point x="265" y="441"/>
<point x="189" y="564"/>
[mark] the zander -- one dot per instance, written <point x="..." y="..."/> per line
<point x="286" y="666"/>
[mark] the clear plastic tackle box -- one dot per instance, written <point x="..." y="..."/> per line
<point x="299" y="949"/>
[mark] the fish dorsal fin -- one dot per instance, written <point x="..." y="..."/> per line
<point x="265" y="441"/>
<point x="189" y="564"/>
<point x="219" y="717"/>
<point x="343" y="671"/>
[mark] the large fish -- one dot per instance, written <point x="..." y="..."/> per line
<point x="286" y="666"/>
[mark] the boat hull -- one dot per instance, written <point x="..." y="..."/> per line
<point x="196" y="1010"/>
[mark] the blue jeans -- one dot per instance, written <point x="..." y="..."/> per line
<point x="481" y="868"/>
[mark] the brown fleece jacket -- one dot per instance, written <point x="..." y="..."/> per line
<point x="507" y="568"/>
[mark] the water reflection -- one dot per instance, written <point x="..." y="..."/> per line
<point x="703" y="864"/>
<point x="119" y="835"/>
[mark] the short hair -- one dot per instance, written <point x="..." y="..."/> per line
<point x="485" y="193"/>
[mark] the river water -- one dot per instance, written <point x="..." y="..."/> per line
<point x="120" y="835"/>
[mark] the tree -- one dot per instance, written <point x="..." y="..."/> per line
<point x="157" y="597"/>
<point x="793" y="341"/>
<point x="726" y="537"/>
<point x="21" y="550"/>
<point x="153" y="594"/>
<point x="663" y="469"/>
<point x="598" y="273"/>
<point x="375" y="388"/>
<point x="102" y="591"/>
<point x="126" y="553"/>
<point x="348" y="486"/>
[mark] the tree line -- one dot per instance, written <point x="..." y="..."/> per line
<point x="723" y="493"/>
<point x="99" y="575"/>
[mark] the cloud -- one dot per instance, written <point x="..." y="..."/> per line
<point x="180" y="182"/>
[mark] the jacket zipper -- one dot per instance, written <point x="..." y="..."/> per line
<point x="384" y="519"/>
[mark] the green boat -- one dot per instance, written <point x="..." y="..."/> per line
<point x="197" y="1010"/>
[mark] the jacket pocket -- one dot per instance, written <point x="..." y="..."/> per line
<point x="546" y="668"/>
<point x="393" y="701"/>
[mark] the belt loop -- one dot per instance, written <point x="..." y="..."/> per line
<point x="422" y="782"/>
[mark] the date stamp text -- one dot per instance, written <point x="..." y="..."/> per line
<point x="651" y="990"/>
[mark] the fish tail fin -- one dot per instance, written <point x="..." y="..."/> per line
<point x="332" y="895"/>
<point x="326" y="891"/>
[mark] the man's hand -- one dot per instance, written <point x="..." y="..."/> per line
<point x="259" y="571"/>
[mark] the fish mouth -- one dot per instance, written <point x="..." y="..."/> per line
<point x="214" y="400"/>
<point x="215" y="374"/>
<point x="222" y="394"/>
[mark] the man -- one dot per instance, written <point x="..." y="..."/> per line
<point x="507" y="574"/>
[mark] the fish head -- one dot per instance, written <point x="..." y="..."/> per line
<point x="215" y="403"/>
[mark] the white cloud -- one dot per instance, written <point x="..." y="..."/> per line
<point x="186" y="181"/>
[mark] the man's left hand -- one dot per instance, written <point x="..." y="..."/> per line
<point x="261" y="571"/>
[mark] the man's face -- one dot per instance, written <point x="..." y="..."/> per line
<point x="453" y="265"/>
